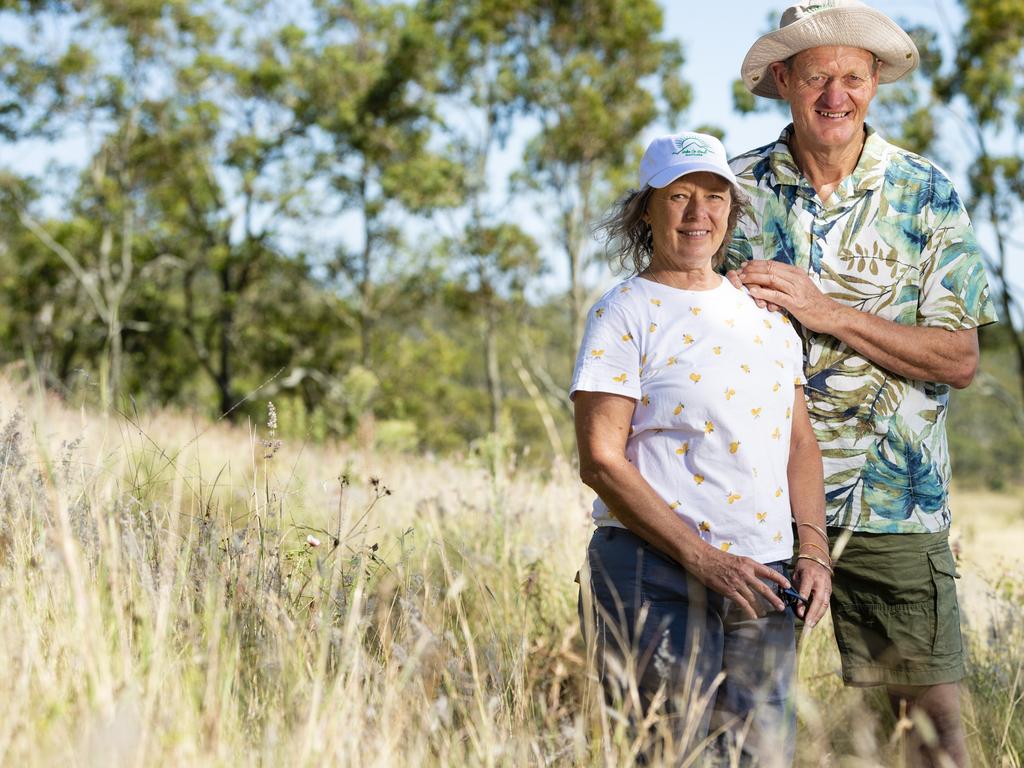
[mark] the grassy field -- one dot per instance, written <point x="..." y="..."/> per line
<point x="180" y="593"/>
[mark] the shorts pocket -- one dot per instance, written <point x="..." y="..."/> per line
<point x="947" y="612"/>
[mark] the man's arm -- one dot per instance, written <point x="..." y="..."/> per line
<point x="914" y="352"/>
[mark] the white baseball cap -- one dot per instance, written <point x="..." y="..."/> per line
<point x="669" y="157"/>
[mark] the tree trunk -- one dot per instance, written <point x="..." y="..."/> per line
<point x="493" y="368"/>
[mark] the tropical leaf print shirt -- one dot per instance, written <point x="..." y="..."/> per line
<point x="713" y="378"/>
<point x="894" y="240"/>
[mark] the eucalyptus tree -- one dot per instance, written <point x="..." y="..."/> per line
<point x="365" y="87"/>
<point x="96" y="83"/>
<point x="599" y="74"/>
<point x="984" y="88"/>
<point x="493" y="257"/>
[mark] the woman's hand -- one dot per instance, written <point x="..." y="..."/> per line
<point x="740" y="579"/>
<point x="814" y="582"/>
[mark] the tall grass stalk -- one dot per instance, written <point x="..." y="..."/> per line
<point x="177" y="593"/>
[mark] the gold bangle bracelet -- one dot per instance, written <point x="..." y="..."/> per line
<point x="818" y="560"/>
<point x="817" y="547"/>
<point x="817" y="528"/>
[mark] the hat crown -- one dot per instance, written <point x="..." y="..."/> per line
<point x="797" y="12"/>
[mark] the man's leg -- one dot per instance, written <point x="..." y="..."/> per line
<point x="941" y="704"/>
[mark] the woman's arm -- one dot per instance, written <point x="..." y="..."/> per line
<point x="602" y="427"/>
<point x="807" y="500"/>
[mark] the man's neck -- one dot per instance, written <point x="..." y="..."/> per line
<point x="826" y="167"/>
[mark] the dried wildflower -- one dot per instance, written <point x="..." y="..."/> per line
<point x="312" y="541"/>
<point x="271" y="444"/>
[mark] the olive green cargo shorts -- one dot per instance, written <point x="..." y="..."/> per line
<point x="894" y="609"/>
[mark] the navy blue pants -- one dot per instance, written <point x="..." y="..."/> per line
<point x="666" y="645"/>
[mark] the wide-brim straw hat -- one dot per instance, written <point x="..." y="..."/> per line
<point x="829" y="22"/>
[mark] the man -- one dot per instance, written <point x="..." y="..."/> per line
<point x="869" y="248"/>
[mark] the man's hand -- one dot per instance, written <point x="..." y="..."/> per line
<point x="790" y="288"/>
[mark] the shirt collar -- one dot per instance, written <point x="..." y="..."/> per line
<point x="869" y="173"/>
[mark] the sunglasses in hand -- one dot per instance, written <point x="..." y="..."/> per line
<point x="792" y="598"/>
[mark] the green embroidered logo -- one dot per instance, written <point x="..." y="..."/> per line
<point x="691" y="146"/>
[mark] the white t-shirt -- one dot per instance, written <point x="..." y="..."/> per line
<point x="713" y="376"/>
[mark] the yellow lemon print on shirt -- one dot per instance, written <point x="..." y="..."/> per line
<point x="597" y="352"/>
<point x="646" y="399"/>
<point x="725" y="545"/>
<point x="757" y="340"/>
<point x="755" y="412"/>
<point x="717" y="350"/>
<point x="653" y="327"/>
<point x="708" y="427"/>
<point x="698" y="479"/>
<point x="778" y="492"/>
<point x="643" y="361"/>
<point x="734" y="446"/>
<point x="785" y="320"/>
<point x="678" y="409"/>
<point x="762" y="517"/>
<point x="767" y="324"/>
<point x="694" y="377"/>
<point x="788" y="345"/>
<point x="780" y="364"/>
<point x="732" y="498"/>
<point x="731" y="323"/>
<point x="729" y="393"/>
<point x="674" y="505"/>
<point x="695" y="311"/>
<point x="625" y="289"/>
<point x="704" y="526"/>
<point x="797" y="382"/>
<point x="627" y="337"/>
<point x="621" y="378"/>
<point x="671" y="361"/>
<point x="776" y="434"/>
<point x="745" y="368"/>
<point x="687" y="338"/>
<point x="682" y="449"/>
<point x="599" y="311"/>
<point x="656" y="302"/>
<point x="776" y="387"/>
<point x="777" y="537"/>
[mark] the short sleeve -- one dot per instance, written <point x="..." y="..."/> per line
<point x="609" y="354"/>
<point x="954" y="288"/>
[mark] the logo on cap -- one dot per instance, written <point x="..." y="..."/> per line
<point x="691" y="146"/>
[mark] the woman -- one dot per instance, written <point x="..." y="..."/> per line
<point x="692" y="429"/>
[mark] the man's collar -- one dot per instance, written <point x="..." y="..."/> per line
<point x="868" y="174"/>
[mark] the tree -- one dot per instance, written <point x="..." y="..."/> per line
<point x="598" y="76"/>
<point x="365" y="92"/>
<point x="984" y="89"/>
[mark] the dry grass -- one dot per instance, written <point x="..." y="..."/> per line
<point x="176" y="593"/>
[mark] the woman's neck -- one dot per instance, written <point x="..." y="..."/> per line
<point x="684" y="278"/>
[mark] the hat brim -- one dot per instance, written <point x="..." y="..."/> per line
<point x="666" y="176"/>
<point x="858" y="27"/>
